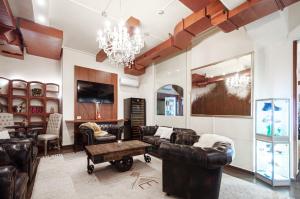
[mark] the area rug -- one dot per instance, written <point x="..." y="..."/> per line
<point x="65" y="177"/>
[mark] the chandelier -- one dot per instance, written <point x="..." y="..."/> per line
<point x="238" y="81"/>
<point x="119" y="44"/>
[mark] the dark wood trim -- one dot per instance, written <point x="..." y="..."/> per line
<point x="294" y="108"/>
<point x="67" y="147"/>
<point x="238" y="170"/>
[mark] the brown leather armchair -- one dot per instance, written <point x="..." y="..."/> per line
<point x="194" y="172"/>
<point x="114" y="134"/>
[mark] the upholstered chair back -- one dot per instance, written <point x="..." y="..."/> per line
<point x="54" y="124"/>
<point x="6" y="119"/>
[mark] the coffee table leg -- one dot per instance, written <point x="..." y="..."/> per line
<point x="90" y="168"/>
<point x="147" y="158"/>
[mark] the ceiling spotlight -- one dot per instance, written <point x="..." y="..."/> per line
<point x="41" y="19"/>
<point x="160" y="12"/>
<point x="41" y="3"/>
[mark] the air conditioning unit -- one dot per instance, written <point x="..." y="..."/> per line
<point x="231" y="4"/>
<point x="126" y="81"/>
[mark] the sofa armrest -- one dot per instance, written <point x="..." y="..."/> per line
<point x="209" y="158"/>
<point x="147" y="130"/>
<point x="88" y="134"/>
<point x="7" y="181"/>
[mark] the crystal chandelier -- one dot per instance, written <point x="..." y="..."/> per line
<point x="119" y="45"/>
<point x="238" y="81"/>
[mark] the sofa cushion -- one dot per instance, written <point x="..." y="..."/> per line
<point x="159" y="131"/>
<point x="106" y="138"/>
<point x="154" y="140"/>
<point x="166" y="134"/>
<point x="208" y="140"/>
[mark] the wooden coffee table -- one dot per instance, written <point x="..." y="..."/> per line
<point x="118" y="154"/>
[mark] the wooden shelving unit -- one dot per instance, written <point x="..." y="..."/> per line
<point x="36" y="105"/>
<point x="4" y="95"/>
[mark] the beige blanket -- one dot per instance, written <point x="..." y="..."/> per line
<point x="97" y="130"/>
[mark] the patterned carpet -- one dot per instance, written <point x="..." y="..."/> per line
<point x="65" y="177"/>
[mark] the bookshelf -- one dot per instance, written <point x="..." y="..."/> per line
<point x="29" y="101"/>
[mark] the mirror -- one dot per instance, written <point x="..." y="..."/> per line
<point x="223" y="88"/>
<point x="170" y="100"/>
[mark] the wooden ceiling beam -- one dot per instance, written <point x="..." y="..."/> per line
<point x="248" y="12"/>
<point x="133" y="71"/>
<point x="41" y="40"/>
<point x="13" y="49"/>
<point x="184" y="31"/>
<point x="197" y="22"/>
<point x="6" y="16"/>
<point x="212" y="14"/>
<point x="158" y="53"/>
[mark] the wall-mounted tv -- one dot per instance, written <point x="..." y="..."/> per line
<point x="91" y="92"/>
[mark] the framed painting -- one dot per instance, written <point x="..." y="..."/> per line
<point x="223" y="88"/>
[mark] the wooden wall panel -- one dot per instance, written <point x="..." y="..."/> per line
<point x="87" y="111"/>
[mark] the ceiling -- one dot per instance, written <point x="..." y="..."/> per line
<point x="81" y="19"/>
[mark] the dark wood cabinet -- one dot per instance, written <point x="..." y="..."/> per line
<point x="134" y="116"/>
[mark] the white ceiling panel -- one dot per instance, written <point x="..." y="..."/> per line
<point x="22" y="8"/>
<point x="81" y="19"/>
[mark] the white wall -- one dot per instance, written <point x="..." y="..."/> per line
<point x="32" y="68"/>
<point x="172" y="71"/>
<point x="272" y="77"/>
<point x="71" y="58"/>
<point x="147" y="91"/>
<point x="218" y="47"/>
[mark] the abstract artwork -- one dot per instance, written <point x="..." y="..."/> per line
<point x="223" y="88"/>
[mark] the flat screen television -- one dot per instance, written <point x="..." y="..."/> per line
<point x="91" y="92"/>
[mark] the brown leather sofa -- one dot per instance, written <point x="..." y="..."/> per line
<point x="193" y="172"/>
<point x="18" y="164"/>
<point x="14" y="168"/>
<point x="147" y="135"/>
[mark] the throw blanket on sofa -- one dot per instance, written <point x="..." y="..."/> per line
<point x="97" y="130"/>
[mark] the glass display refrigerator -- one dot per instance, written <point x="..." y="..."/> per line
<point x="272" y="121"/>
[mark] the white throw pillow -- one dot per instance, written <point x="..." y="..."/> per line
<point x="4" y="135"/>
<point x="159" y="131"/>
<point x="208" y="140"/>
<point x="167" y="132"/>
